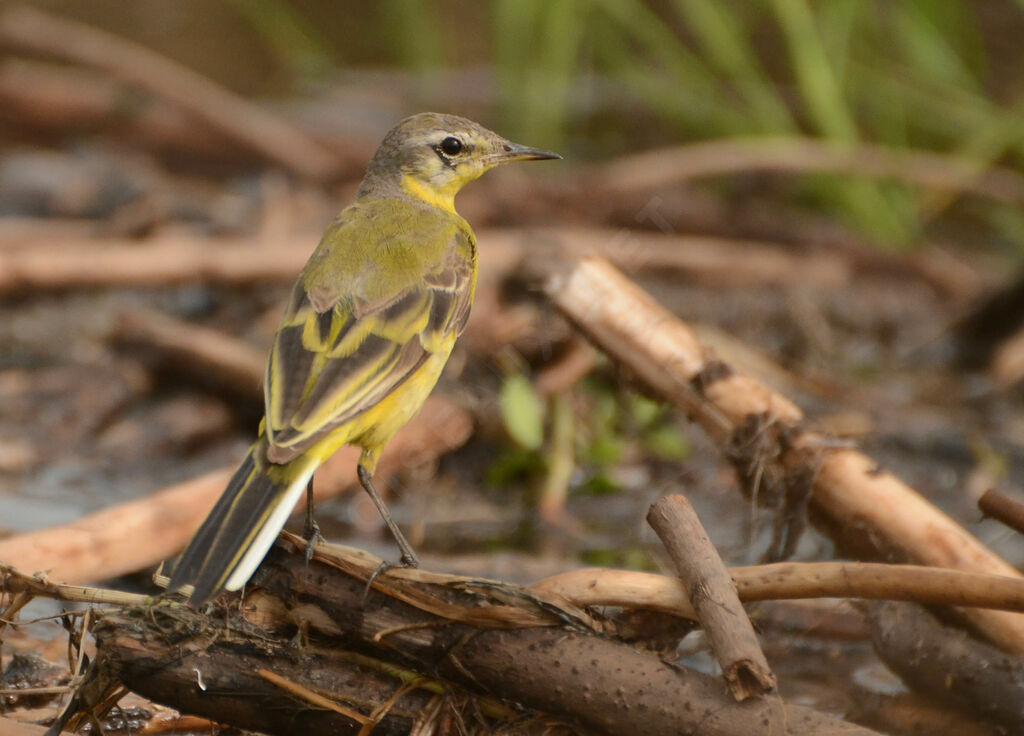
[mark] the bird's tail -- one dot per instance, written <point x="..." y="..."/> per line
<point x="242" y="526"/>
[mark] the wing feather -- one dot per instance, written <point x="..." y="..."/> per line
<point x="344" y="346"/>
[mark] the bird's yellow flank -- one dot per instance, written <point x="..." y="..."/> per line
<point x="369" y="326"/>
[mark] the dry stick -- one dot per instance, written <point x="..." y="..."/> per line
<point x="849" y="490"/>
<point x="1000" y="506"/>
<point x="49" y="263"/>
<point x="163" y="260"/>
<point x="607" y="686"/>
<point x="133" y="535"/>
<point x="794" y="580"/>
<point x="713" y="597"/>
<point x="949" y="664"/>
<point x="667" y="166"/>
<point x="222" y="110"/>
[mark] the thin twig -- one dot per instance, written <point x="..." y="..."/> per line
<point x="999" y="506"/>
<point x="668" y="166"/>
<point x="713" y="597"/>
<point x="793" y="580"/>
<point x="311" y="697"/>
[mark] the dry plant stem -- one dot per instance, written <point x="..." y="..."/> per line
<point x="164" y="260"/>
<point x="130" y="62"/>
<point x="948" y="664"/>
<point x="606" y="686"/>
<point x="849" y="490"/>
<point x="670" y="166"/>
<point x="134" y="535"/>
<point x="218" y="360"/>
<point x="794" y="580"/>
<point x="15" y="581"/>
<point x="1000" y="506"/>
<point x="713" y="597"/>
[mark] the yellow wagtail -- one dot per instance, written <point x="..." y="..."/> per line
<point x="369" y="326"/>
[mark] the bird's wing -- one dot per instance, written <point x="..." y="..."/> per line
<point x="372" y="305"/>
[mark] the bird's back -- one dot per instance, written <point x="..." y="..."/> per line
<point x="389" y="286"/>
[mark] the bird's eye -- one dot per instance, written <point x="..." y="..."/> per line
<point x="451" y="146"/>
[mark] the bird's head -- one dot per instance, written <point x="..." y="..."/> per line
<point x="432" y="156"/>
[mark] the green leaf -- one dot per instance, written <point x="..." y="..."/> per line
<point x="522" y="411"/>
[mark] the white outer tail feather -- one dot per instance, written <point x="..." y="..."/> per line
<point x="266" y="536"/>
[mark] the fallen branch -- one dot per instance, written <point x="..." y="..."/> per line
<point x="470" y="636"/>
<point x="130" y="62"/>
<point x="47" y="263"/>
<point x="763" y="433"/>
<point x="713" y="596"/>
<point x="134" y="535"/>
<point x="794" y="580"/>
<point x="949" y="664"/>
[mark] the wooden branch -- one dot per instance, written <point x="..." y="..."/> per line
<point x="50" y="263"/>
<point x="533" y="651"/>
<point x="1000" y="506"/>
<point x="793" y="580"/>
<point x="164" y="260"/>
<point x="208" y="102"/>
<point x="134" y="535"/>
<point x="764" y="434"/>
<point x="948" y="664"/>
<point x="666" y="167"/>
<point x="713" y="596"/>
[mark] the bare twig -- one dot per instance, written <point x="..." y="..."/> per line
<point x="164" y="260"/>
<point x="790" y="580"/>
<point x="999" y="506"/>
<point x="220" y="109"/>
<point x="606" y="686"/>
<point x="667" y="166"/>
<point x="763" y="430"/>
<point x="713" y="597"/>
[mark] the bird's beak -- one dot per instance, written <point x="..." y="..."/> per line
<point x="515" y="152"/>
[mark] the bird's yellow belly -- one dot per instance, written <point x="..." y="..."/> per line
<point x="372" y="429"/>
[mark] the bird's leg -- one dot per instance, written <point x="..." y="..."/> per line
<point x="409" y="558"/>
<point x="310" y="530"/>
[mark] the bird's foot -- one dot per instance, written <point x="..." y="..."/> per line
<point x="311" y="531"/>
<point x="408" y="560"/>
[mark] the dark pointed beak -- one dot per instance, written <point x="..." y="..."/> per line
<point x="516" y="152"/>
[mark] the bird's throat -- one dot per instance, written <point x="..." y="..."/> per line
<point x="442" y="198"/>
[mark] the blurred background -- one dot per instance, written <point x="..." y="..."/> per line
<point x="832" y="193"/>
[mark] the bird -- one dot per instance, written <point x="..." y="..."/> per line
<point x="368" y="328"/>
